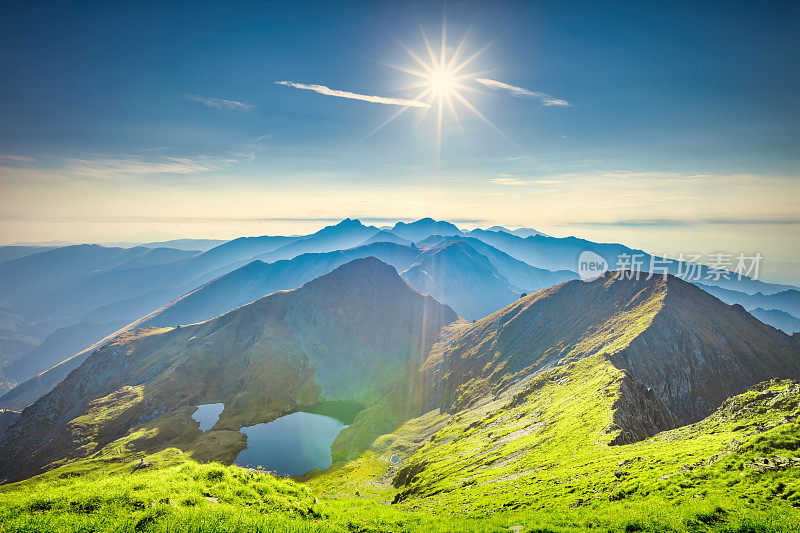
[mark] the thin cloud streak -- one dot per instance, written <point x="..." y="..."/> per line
<point x="219" y="103"/>
<point x="507" y="180"/>
<point x="702" y="222"/>
<point x="103" y="168"/>
<point x="523" y="93"/>
<point x="122" y="166"/>
<point x="321" y="89"/>
<point x="187" y="219"/>
<point x="16" y="158"/>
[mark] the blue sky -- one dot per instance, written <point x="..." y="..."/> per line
<point x="682" y="128"/>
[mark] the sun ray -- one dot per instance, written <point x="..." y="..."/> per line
<point x="399" y="112"/>
<point x="443" y="78"/>
<point x="452" y="108"/>
<point x="434" y="65"/>
<point x="380" y="126"/>
<point x="474" y="56"/>
<point x="458" y="51"/>
<point x="488" y="122"/>
<point x="439" y="131"/>
<point x="443" y="49"/>
<point x="406" y="70"/>
<point x="415" y="57"/>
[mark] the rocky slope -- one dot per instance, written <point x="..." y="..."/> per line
<point x="690" y="348"/>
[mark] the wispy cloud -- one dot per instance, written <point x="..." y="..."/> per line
<point x="16" y="158"/>
<point x="114" y="167"/>
<point x="523" y="93"/>
<point x="121" y="166"/>
<point x="219" y="103"/>
<point x="695" y="222"/>
<point x="505" y="179"/>
<point x="514" y="159"/>
<point x="321" y="89"/>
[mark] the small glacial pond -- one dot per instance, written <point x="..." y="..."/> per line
<point x="208" y="414"/>
<point x="297" y="443"/>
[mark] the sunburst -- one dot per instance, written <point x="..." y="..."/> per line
<point x="441" y="81"/>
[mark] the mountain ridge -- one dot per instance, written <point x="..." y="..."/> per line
<point x="651" y="328"/>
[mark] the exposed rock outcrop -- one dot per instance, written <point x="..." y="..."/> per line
<point x="638" y="413"/>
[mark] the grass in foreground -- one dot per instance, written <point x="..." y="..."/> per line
<point x="540" y="461"/>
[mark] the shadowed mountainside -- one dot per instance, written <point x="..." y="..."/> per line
<point x="690" y="348"/>
<point x="357" y="333"/>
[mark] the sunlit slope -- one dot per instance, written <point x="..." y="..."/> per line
<point x="562" y="452"/>
<point x="539" y="457"/>
<point x="171" y="493"/>
<point x="692" y="349"/>
<point x="358" y="333"/>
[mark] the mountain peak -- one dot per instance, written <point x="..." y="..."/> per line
<point x="349" y="222"/>
<point x="363" y="266"/>
<point x="387" y="236"/>
<point x="359" y="275"/>
<point x="663" y="330"/>
<point x="424" y="227"/>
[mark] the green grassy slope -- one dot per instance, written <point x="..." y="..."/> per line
<point x="542" y="458"/>
<point x="525" y="418"/>
<point x="539" y="457"/>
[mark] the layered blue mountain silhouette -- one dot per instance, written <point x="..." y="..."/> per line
<point x="59" y="304"/>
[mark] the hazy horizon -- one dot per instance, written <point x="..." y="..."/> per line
<point x="637" y="123"/>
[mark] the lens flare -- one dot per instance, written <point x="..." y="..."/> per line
<point x="442" y="81"/>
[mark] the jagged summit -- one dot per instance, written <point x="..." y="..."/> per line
<point x="353" y="222"/>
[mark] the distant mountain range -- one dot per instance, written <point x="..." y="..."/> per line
<point x="450" y="269"/>
<point x="665" y="351"/>
<point x="60" y="302"/>
<point x="787" y="301"/>
<point x="520" y="232"/>
<point x="778" y="319"/>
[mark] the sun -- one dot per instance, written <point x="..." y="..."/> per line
<point x="442" y="81"/>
